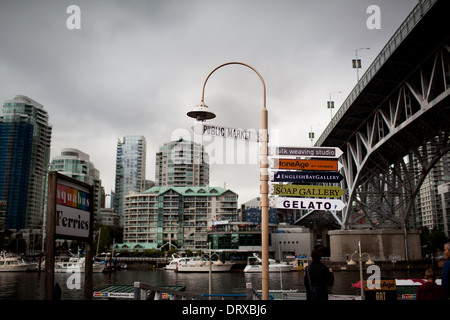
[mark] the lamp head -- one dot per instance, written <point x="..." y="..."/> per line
<point x="201" y="112"/>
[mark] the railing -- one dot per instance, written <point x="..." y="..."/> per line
<point x="405" y="28"/>
<point x="143" y="291"/>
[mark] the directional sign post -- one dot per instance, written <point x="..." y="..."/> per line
<point x="293" y="190"/>
<point x="305" y="177"/>
<point x="313" y="152"/>
<point x="306" y="203"/>
<point x="297" y="164"/>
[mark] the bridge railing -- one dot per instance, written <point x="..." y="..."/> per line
<point x="405" y="28"/>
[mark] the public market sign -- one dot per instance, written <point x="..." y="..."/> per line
<point x="305" y="177"/>
<point x="293" y="190"/>
<point x="306" y="203"/>
<point x="224" y="132"/>
<point x="313" y="152"/>
<point x="298" y="164"/>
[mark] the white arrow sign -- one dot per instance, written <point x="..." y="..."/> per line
<point x="313" y="152"/>
<point x="224" y="132"/>
<point x="306" y="203"/>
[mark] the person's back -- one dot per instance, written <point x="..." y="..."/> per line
<point x="430" y="290"/>
<point x="317" y="278"/>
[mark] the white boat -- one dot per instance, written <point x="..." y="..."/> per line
<point x="77" y="264"/>
<point x="176" y="260"/>
<point x="254" y="265"/>
<point x="200" y="264"/>
<point x="12" y="264"/>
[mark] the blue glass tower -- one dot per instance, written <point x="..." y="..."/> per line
<point x="24" y="157"/>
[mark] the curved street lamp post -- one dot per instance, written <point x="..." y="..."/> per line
<point x="201" y="112"/>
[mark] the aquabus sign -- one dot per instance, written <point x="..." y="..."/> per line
<point x="73" y="210"/>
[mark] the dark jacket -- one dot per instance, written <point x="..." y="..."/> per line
<point x="431" y="291"/>
<point x="446" y="277"/>
<point x="317" y="278"/>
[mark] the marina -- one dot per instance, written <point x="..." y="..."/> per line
<point x="30" y="285"/>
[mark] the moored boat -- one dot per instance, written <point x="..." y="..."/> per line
<point x="200" y="264"/>
<point x="77" y="264"/>
<point x="12" y="264"/>
<point x="254" y="265"/>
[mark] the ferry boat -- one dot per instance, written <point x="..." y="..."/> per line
<point x="254" y="265"/>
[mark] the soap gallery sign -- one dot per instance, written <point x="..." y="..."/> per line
<point x="73" y="214"/>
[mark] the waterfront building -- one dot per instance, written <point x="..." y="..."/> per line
<point x="177" y="217"/>
<point x="76" y="164"/>
<point x="430" y="206"/>
<point x="238" y="240"/>
<point x="251" y="211"/>
<point x="130" y="170"/>
<point x="182" y="163"/>
<point x="108" y="217"/>
<point x="25" y="137"/>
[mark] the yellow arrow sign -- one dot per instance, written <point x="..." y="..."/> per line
<point x="306" y="191"/>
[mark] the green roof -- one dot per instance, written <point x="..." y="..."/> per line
<point x="189" y="191"/>
<point x="133" y="245"/>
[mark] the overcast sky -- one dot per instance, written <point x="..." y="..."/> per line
<point x="137" y="67"/>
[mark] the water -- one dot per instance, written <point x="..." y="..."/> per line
<point x="31" y="285"/>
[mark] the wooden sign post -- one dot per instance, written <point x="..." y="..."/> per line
<point x="69" y="216"/>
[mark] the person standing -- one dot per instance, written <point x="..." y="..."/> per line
<point x="430" y="290"/>
<point x="317" y="278"/>
<point x="446" y="270"/>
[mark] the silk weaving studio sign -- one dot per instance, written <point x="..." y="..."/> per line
<point x="73" y="212"/>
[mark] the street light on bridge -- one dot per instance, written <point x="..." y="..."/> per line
<point x="330" y="103"/>
<point x="201" y="112"/>
<point x="357" y="63"/>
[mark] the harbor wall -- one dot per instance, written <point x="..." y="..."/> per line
<point x="381" y="245"/>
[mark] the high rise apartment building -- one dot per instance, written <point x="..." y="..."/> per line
<point x="76" y="164"/>
<point x="182" y="163"/>
<point x="177" y="216"/>
<point x="25" y="137"/>
<point x="130" y="170"/>
<point x="430" y="209"/>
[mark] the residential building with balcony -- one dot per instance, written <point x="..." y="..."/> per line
<point x="179" y="217"/>
<point x="182" y="163"/>
<point x="130" y="170"/>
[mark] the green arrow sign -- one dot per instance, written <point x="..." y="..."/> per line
<point x="306" y="191"/>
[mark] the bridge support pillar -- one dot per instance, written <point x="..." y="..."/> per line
<point x="381" y="245"/>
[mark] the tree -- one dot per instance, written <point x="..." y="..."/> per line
<point x="433" y="240"/>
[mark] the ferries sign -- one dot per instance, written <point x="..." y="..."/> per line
<point x="306" y="203"/>
<point x="297" y="164"/>
<point x="305" y="177"/>
<point x="306" y="191"/>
